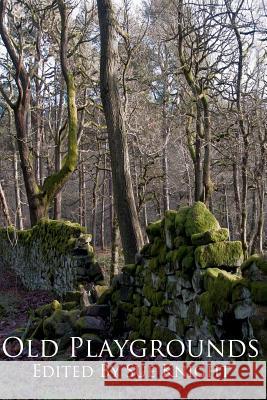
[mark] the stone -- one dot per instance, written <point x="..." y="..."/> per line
<point x="227" y="255"/>
<point x="188" y="295"/>
<point x="95" y="310"/>
<point x="72" y="296"/>
<point x="90" y="324"/>
<point x="57" y="325"/>
<point x="212" y="236"/>
<point x="243" y="309"/>
<point x="96" y="344"/>
<point x="169" y="228"/>
<point x="199" y="220"/>
<point x="259" y="292"/>
<point x="172" y="322"/>
<point x="153" y="230"/>
<point x="177" y="307"/>
<point x="198" y="281"/>
<point x="240" y="292"/>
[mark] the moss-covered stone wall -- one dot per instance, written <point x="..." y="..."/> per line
<point x="53" y="255"/>
<point x="189" y="282"/>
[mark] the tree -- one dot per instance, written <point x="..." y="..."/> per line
<point x="130" y="229"/>
<point x="39" y="196"/>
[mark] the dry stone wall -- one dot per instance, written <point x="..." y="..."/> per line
<point x="190" y="283"/>
<point x="53" y="255"/>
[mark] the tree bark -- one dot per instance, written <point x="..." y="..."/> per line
<point x="130" y="229"/>
<point x="40" y="197"/>
<point x="4" y="206"/>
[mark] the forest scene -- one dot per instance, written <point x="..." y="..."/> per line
<point x="133" y="142"/>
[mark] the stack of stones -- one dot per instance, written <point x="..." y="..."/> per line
<point x="53" y="255"/>
<point x="254" y="271"/>
<point x="186" y="283"/>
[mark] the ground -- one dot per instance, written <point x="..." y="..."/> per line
<point x="17" y="303"/>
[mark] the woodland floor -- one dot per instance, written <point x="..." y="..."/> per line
<point x="17" y="303"/>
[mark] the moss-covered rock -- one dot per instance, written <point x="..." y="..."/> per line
<point x="146" y="327"/>
<point x="227" y="255"/>
<point x="255" y="267"/>
<point x="169" y="228"/>
<point x="259" y="292"/>
<point x="156" y="312"/>
<point x="57" y="325"/>
<point x="199" y="220"/>
<point x="133" y="322"/>
<point x="153" y="230"/>
<point x="105" y="297"/>
<point x="71" y="305"/>
<point x="130" y="269"/>
<point x="212" y="236"/>
<point x="125" y="307"/>
<point x="180" y="220"/>
<point x="47" y="309"/>
<point x="154" y="297"/>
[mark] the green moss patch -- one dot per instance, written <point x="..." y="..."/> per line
<point x="257" y="259"/>
<point x="259" y="292"/>
<point x="199" y="220"/>
<point x="221" y="254"/>
<point x="211" y="236"/>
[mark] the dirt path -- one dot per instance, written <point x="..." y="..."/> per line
<point x="16" y="303"/>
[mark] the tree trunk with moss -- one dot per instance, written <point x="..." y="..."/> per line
<point x="40" y="197"/>
<point x="130" y="229"/>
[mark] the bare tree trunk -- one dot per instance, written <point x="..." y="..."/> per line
<point x="114" y="268"/>
<point x="95" y="206"/>
<point x="82" y="193"/>
<point x="165" y="166"/>
<point x="4" y="206"/>
<point x="19" y="218"/>
<point x="103" y="194"/>
<point x="130" y="229"/>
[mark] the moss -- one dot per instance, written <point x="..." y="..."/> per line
<point x="57" y="325"/>
<point x="259" y="292"/>
<point x="162" y="254"/>
<point x="156" y="246"/>
<point x="156" y="312"/>
<point x="100" y="290"/>
<point x="179" y="241"/>
<point x="169" y="220"/>
<point x="139" y="270"/>
<point x="71" y="305"/>
<point x="219" y="285"/>
<point x="137" y="311"/>
<point x="211" y="236"/>
<point x="188" y="264"/>
<point x="137" y="300"/>
<point x="133" y="322"/>
<point x="146" y="327"/>
<point x="153" y="264"/>
<point x="48" y="309"/>
<point x="130" y="269"/>
<point x="257" y="259"/>
<point x="207" y="304"/>
<point x="180" y="220"/>
<point x="125" y="307"/>
<point x="145" y="251"/>
<point x="221" y="254"/>
<point x="116" y="297"/>
<point x="144" y="310"/>
<point x="154" y="297"/>
<point x="154" y="229"/>
<point x="134" y="336"/>
<point x="72" y="296"/>
<point x="163" y="334"/>
<point x="199" y="220"/>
